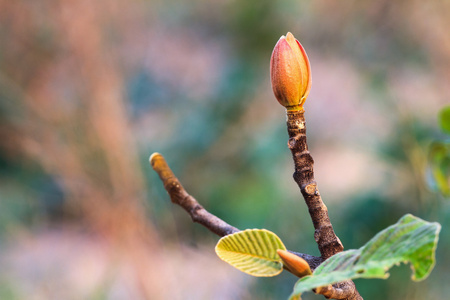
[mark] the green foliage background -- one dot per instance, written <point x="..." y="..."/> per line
<point x="194" y="86"/>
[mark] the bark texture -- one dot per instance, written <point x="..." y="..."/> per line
<point x="198" y="213"/>
<point x="326" y="239"/>
<point x="178" y="195"/>
<point x="329" y="244"/>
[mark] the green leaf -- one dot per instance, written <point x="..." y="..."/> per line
<point x="439" y="166"/>
<point x="444" y="119"/>
<point x="252" y="251"/>
<point x="410" y="240"/>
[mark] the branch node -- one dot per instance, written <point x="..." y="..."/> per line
<point x="311" y="189"/>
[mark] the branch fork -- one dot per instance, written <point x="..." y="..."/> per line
<point x="324" y="235"/>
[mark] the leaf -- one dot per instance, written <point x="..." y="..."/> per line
<point x="444" y="119"/>
<point x="439" y="167"/>
<point x="410" y="240"/>
<point x="252" y="251"/>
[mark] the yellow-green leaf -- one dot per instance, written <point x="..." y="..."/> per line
<point x="252" y="251"/>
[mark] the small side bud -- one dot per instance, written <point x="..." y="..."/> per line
<point x="295" y="264"/>
<point x="290" y="73"/>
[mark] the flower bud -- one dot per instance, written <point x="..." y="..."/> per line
<point x="290" y="73"/>
<point x="295" y="264"/>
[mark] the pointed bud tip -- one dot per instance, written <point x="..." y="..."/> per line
<point x="279" y="40"/>
<point x="290" y="36"/>
<point x="297" y="265"/>
<point x="281" y="252"/>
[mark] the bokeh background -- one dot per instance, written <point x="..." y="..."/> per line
<point x="89" y="89"/>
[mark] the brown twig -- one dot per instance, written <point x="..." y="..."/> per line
<point x="313" y="261"/>
<point x="329" y="244"/>
<point x="179" y="196"/>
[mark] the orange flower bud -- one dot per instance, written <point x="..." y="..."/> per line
<point x="297" y="265"/>
<point x="290" y="73"/>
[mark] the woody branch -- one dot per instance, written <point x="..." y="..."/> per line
<point x="198" y="213"/>
<point x="326" y="239"/>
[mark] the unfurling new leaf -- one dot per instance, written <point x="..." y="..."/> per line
<point x="252" y="251"/>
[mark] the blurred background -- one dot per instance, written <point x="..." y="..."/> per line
<point x="89" y="89"/>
